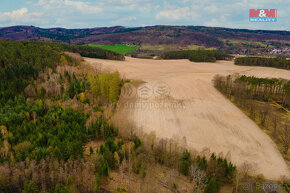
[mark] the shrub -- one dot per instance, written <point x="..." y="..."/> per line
<point x="137" y="142"/>
<point x="104" y="167"/>
<point x="60" y="189"/>
<point x="31" y="187"/>
<point x="212" y="186"/>
<point x="184" y="163"/>
<point x="196" y="55"/>
<point x="260" y="61"/>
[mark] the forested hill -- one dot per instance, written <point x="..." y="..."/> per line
<point x="56" y="134"/>
<point x="85" y="51"/>
<point x="153" y="35"/>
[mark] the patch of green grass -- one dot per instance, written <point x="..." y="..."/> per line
<point x="119" y="48"/>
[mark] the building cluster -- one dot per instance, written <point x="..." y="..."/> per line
<point x="284" y="51"/>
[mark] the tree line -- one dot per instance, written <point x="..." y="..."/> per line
<point x="260" y="61"/>
<point x="265" y="100"/>
<point x="21" y="62"/>
<point x="91" y="52"/>
<point x="32" y="129"/>
<point x="250" y="87"/>
<point x="209" y="174"/>
<point x="197" y="55"/>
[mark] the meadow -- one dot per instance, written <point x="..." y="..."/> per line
<point x="119" y="48"/>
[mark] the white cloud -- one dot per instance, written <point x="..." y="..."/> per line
<point x="125" y="21"/>
<point x="177" y="14"/>
<point x="93" y="13"/>
<point x="83" y="7"/>
<point x="127" y="1"/>
<point x="211" y="8"/>
<point x="16" y="14"/>
<point x="212" y="23"/>
<point x="148" y="8"/>
<point x="282" y="14"/>
<point x="218" y="22"/>
<point x="19" y="16"/>
<point x="114" y="2"/>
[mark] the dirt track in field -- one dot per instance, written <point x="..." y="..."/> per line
<point x="179" y="101"/>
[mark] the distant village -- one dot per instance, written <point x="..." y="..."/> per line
<point x="281" y="51"/>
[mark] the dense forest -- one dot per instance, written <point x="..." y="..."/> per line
<point x="91" y="52"/>
<point x="50" y="109"/>
<point x="32" y="129"/>
<point x="51" y="49"/>
<point x="266" y="101"/>
<point x="196" y="55"/>
<point x="260" y="61"/>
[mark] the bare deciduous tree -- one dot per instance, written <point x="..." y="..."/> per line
<point x="198" y="175"/>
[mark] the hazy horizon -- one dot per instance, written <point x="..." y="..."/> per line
<point x="76" y="14"/>
<point x="144" y="26"/>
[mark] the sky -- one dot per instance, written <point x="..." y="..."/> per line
<point x="133" y="13"/>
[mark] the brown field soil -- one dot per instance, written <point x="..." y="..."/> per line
<point x="191" y="111"/>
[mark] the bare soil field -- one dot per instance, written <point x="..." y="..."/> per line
<point x="179" y="101"/>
